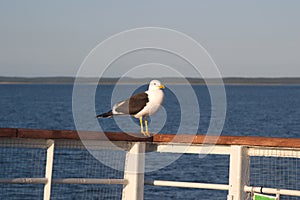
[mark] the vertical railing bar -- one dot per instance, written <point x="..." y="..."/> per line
<point x="134" y="172"/>
<point x="238" y="173"/>
<point x="49" y="167"/>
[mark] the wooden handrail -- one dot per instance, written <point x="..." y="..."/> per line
<point x="157" y="138"/>
<point x="71" y="134"/>
<point x="229" y="140"/>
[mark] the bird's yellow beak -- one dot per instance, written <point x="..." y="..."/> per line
<point x="161" y="87"/>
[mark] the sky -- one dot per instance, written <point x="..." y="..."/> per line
<point x="244" y="38"/>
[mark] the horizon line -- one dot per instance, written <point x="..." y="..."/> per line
<point x="166" y="77"/>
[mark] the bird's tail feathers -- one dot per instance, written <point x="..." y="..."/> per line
<point x="105" y="115"/>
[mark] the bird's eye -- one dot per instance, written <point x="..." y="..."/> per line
<point x="154" y="83"/>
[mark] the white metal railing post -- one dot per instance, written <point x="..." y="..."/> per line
<point x="238" y="173"/>
<point x="49" y="166"/>
<point x="134" y="172"/>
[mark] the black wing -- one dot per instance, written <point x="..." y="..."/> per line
<point x="133" y="105"/>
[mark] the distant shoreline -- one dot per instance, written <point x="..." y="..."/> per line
<point x="211" y="81"/>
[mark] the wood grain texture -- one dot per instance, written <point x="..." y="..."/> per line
<point x="8" y="132"/>
<point x="229" y="140"/>
<point x="157" y="138"/>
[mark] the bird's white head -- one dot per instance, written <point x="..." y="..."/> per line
<point x="155" y="85"/>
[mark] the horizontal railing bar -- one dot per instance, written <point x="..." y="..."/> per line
<point x="187" y="184"/>
<point x="157" y="138"/>
<point x="8" y="132"/>
<point x="81" y="135"/>
<point x="274" y="152"/>
<point x="154" y="147"/>
<point x="272" y="191"/>
<point x="23" y="180"/>
<point x="92" y="144"/>
<point x="90" y="181"/>
<point x="228" y="140"/>
<point x="64" y="181"/>
<point x="193" y="149"/>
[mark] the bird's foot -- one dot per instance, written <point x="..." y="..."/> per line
<point x="146" y="133"/>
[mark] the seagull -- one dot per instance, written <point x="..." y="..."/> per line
<point x="140" y="106"/>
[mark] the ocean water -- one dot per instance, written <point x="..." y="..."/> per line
<point x="251" y="110"/>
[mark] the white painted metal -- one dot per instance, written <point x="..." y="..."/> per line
<point x="238" y="173"/>
<point x="49" y="166"/>
<point x="194" y="149"/>
<point x="63" y="181"/>
<point x="134" y="172"/>
<point x="272" y="191"/>
<point x="188" y="185"/>
<point x="23" y="180"/>
<point x="89" y="181"/>
<point x="274" y="152"/>
<point x="135" y="163"/>
<point x="92" y="144"/>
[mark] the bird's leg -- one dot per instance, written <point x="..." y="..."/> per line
<point x="141" y="124"/>
<point x="146" y="124"/>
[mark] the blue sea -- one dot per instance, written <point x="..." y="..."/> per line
<point x="251" y="110"/>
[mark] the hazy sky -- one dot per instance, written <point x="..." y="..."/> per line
<point x="244" y="38"/>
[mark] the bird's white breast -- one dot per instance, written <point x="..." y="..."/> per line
<point x="155" y="100"/>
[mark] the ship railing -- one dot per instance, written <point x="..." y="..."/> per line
<point x="239" y="149"/>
